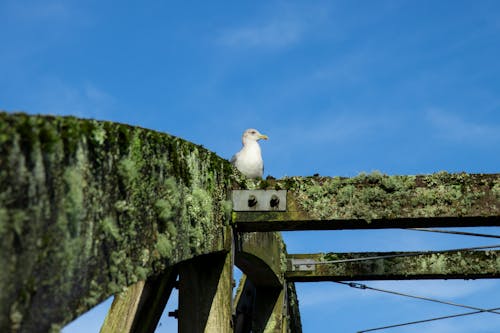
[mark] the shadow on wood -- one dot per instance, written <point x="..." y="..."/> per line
<point x="139" y="308"/>
<point x="205" y="291"/>
<point x="259" y="308"/>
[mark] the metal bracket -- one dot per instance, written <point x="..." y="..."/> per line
<point x="259" y="200"/>
<point x="303" y="264"/>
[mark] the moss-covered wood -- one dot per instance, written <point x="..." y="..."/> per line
<point x="380" y="201"/>
<point x="205" y="292"/>
<point x="265" y="301"/>
<point x="453" y="265"/>
<point x="88" y="208"/>
<point x="261" y="256"/>
<point x="138" y="309"/>
<point x="266" y="309"/>
<point x="293" y="317"/>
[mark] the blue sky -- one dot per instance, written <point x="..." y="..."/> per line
<point x="340" y="87"/>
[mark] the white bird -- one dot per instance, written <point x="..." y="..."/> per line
<point x="249" y="159"/>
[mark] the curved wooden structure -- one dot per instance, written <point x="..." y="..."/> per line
<point x="90" y="209"/>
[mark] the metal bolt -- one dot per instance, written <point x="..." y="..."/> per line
<point x="252" y="201"/>
<point x="174" y="314"/>
<point x="275" y="201"/>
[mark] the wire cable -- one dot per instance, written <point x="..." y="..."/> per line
<point x="405" y="254"/>
<point x="426" y="320"/>
<point x="364" y="287"/>
<point x="454" y="232"/>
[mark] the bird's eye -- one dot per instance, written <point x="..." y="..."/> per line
<point x="253" y="132"/>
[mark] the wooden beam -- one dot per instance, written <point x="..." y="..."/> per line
<point x="264" y="301"/>
<point x="139" y="308"/>
<point x="293" y="314"/>
<point x="88" y="208"/>
<point x="453" y="265"/>
<point x="379" y="201"/>
<point x="205" y="292"/>
<point x="260" y="308"/>
<point x="259" y="256"/>
<point x="285" y="222"/>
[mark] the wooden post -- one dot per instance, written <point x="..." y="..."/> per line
<point x="205" y="292"/>
<point x="260" y="309"/>
<point x="138" y="309"/>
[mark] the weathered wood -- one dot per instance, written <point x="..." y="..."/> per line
<point x="139" y="308"/>
<point x="286" y="222"/>
<point x="293" y="314"/>
<point x="265" y="302"/>
<point x="380" y="201"/>
<point x="205" y="292"/>
<point x="90" y="207"/>
<point x="260" y="309"/>
<point x="243" y="307"/>
<point x="261" y="257"/>
<point x="120" y="317"/>
<point x="453" y="265"/>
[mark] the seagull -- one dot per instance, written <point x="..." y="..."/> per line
<point x="249" y="159"/>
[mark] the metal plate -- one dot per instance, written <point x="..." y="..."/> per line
<point x="259" y="200"/>
<point x="302" y="264"/>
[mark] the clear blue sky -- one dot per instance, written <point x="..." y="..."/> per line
<point x="340" y="87"/>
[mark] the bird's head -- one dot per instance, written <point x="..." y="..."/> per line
<point x="252" y="134"/>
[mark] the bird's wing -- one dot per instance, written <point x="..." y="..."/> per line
<point x="233" y="159"/>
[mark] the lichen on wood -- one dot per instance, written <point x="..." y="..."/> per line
<point x="89" y="207"/>
<point x="377" y="200"/>
<point x="262" y="257"/>
<point x="393" y="266"/>
<point x="377" y="196"/>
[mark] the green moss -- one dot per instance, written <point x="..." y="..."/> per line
<point x="283" y="256"/>
<point x="165" y="210"/>
<point x="121" y="268"/>
<point x="127" y="169"/>
<point x="74" y="204"/>
<point x="164" y="245"/>
<point x="145" y="256"/>
<point x="3" y="220"/>
<point x="123" y="206"/>
<point x="171" y="230"/>
<point x="99" y="133"/>
<point x="167" y="207"/>
<point x="4" y="130"/>
<point x="377" y="196"/>
<point x="16" y="318"/>
<point x="228" y="208"/>
<point x="198" y="203"/>
<point x="18" y="221"/>
<point x="55" y="328"/>
<point x="94" y="206"/>
<point x="496" y="190"/>
<point x="110" y="228"/>
<point x="141" y="273"/>
<point x="331" y="256"/>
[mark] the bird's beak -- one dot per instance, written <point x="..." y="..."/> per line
<point x="263" y="136"/>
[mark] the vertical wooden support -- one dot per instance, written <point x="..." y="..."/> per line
<point x="293" y="322"/>
<point x="205" y="292"/>
<point x="260" y="309"/>
<point x="139" y="308"/>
